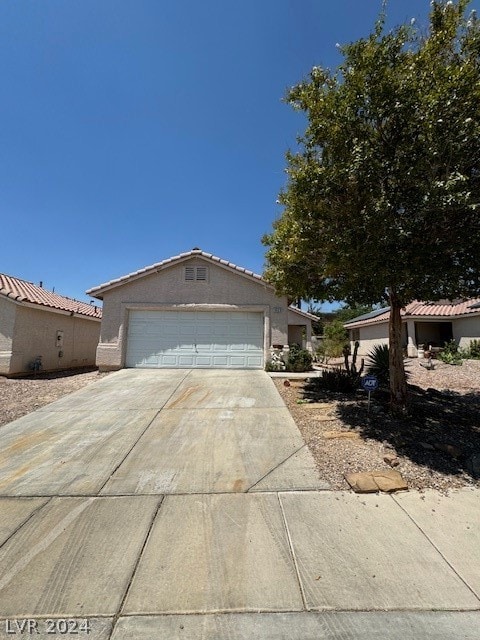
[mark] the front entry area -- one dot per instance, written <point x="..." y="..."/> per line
<point x="195" y="339"/>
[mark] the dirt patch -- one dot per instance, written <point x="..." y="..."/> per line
<point x="19" y="396"/>
<point x="434" y="447"/>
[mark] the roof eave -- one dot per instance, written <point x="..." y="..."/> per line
<point x="97" y="292"/>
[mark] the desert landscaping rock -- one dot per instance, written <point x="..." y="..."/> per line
<point x="387" y="481"/>
<point x="322" y="406"/>
<point x="347" y="435"/>
<point x="391" y="459"/>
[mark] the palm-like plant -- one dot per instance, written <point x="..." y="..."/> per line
<point x="378" y="362"/>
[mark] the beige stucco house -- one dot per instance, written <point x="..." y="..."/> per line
<point x="37" y="323"/>
<point x="424" y="325"/>
<point x="194" y="310"/>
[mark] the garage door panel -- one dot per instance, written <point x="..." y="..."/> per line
<point x="195" y="339"/>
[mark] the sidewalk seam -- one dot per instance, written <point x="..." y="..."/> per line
<point x="135" y="567"/>
<point x="477" y="596"/>
<point x="292" y="552"/>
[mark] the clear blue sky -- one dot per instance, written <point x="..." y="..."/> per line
<point x="133" y="130"/>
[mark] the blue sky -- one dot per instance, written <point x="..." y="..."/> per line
<point x="135" y="130"/>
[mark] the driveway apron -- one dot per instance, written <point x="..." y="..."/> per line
<point x="152" y="501"/>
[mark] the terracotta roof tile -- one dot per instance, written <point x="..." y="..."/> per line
<point x="23" y="291"/>
<point x="419" y="309"/>
<point x="165" y="263"/>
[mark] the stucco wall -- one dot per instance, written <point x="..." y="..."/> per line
<point x="7" y="324"/>
<point x="166" y="289"/>
<point x="36" y="335"/>
<point x="299" y="330"/>
<point x="465" y="330"/>
<point x="370" y="336"/>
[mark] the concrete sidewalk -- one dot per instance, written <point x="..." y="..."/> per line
<point x="184" y="504"/>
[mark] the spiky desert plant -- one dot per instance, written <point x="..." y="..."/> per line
<point x="378" y="362"/>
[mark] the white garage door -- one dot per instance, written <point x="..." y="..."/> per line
<point x="198" y="339"/>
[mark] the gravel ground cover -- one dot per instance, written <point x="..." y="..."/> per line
<point x="19" y="396"/>
<point x="437" y="446"/>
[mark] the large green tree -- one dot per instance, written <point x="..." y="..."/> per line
<point x="382" y="202"/>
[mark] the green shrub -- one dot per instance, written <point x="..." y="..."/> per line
<point x="273" y="365"/>
<point x="336" y="338"/>
<point x="337" y="380"/>
<point x="298" y="359"/>
<point x="474" y="350"/>
<point x="450" y="353"/>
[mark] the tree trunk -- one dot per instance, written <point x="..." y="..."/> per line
<point x="398" y="382"/>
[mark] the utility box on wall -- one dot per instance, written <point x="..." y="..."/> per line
<point x="59" y="339"/>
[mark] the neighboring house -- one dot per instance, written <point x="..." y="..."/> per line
<point x="424" y="324"/>
<point x="194" y="310"/>
<point x="36" y="323"/>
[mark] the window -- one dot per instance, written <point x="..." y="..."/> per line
<point x="199" y="274"/>
<point x="355" y="333"/>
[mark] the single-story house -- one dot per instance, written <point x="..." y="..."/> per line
<point x="195" y="310"/>
<point x="424" y="325"/>
<point x="37" y="325"/>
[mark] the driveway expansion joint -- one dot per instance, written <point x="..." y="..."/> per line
<point x="28" y="518"/>
<point x="275" y="468"/>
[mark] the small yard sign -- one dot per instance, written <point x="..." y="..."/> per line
<point x="369" y="383"/>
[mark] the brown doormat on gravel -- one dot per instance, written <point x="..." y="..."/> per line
<point x="373" y="481"/>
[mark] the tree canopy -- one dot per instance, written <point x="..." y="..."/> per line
<point x="382" y="202"/>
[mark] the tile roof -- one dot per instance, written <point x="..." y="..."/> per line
<point x="23" y="291"/>
<point x="417" y="309"/>
<point x="98" y="290"/>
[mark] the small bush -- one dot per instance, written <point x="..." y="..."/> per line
<point x="274" y="365"/>
<point x="450" y="353"/>
<point x="298" y="359"/>
<point x="337" y="380"/>
<point x="336" y="338"/>
<point x="474" y="350"/>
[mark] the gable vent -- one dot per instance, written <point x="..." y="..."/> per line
<point x="199" y="274"/>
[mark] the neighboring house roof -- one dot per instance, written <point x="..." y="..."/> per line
<point x="23" y="291"/>
<point x="420" y="310"/>
<point x="304" y="314"/>
<point x="379" y="315"/>
<point x="98" y="291"/>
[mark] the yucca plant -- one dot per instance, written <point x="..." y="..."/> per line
<point x="378" y="362"/>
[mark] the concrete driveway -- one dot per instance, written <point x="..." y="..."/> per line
<point x="184" y="504"/>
